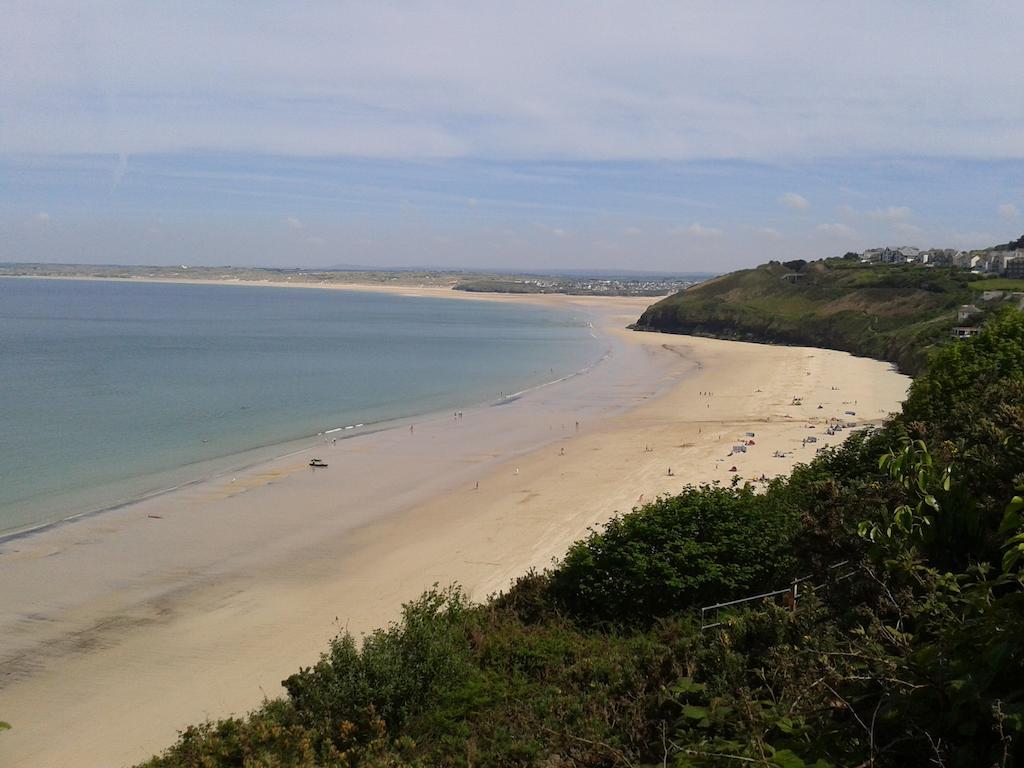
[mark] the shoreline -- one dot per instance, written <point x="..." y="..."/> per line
<point x="203" y="610"/>
<point x="209" y="469"/>
<point x="235" y="464"/>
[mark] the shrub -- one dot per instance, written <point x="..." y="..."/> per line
<point x="705" y="544"/>
<point x="353" y="693"/>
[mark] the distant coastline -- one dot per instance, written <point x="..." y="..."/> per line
<point x="458" y="282"/>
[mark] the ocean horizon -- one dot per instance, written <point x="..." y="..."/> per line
<point x="114" y="391"/>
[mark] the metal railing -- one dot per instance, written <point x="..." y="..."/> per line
<point x="793" y="589"/>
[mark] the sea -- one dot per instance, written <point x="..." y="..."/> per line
<point x="112" y="391"/>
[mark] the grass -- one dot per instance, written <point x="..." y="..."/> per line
<point x="997" y="284"/>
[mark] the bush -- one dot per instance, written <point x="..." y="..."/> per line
<point x="969" y="408"/>
<point x="269" y="738"/>
<point x="354" y="695"/>
<point x="704" y="545"/>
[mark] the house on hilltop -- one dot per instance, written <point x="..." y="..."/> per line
<point x="882" y="255"/>
<point x="969" y="260"/>
<point x="938" y="257"/>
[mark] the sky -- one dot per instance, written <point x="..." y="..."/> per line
<point x="663" y="136"/>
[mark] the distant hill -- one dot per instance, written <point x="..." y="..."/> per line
<point x="1013" y="245"/>
<point x="894" y="313"/>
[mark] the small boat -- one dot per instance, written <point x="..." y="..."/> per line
<point x="317" y="463"/>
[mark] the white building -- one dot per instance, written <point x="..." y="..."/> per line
<point x="965" y="333"/>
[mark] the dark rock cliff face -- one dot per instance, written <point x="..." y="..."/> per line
<point x="750" y="331"/>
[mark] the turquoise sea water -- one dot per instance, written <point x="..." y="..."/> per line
<point x="110" y="391"/>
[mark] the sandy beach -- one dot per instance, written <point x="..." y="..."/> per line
<point x="123" y="627"/>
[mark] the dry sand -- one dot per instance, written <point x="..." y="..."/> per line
<point x="121" y="628"/>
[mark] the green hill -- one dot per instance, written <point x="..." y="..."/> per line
<point x="895" y="313"/>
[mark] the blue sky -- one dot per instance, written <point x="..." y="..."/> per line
<point x="685" y="136"/>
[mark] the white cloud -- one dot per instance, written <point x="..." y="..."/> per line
<point x="793" y="200"/>
<point x="892" y="213"/>
<point x="1008" y="211"/>
<point x="293" y="222"/>
<point x="619" y="80"/>
<point x="774" y="234"/>
<point x="315" y="240"/>
<point x="835" y="229"/>
<point x="699" y="230"/>
<point x="42" y="217"/>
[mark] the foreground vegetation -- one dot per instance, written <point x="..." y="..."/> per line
<point x="904" y="645"/>
<point x="896" y="313"/>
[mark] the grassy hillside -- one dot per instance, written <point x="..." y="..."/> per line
<point x="894" y="313"/>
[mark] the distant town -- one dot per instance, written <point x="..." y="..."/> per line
<point x="1007" y="263"/>
<point x="581" y="286"/>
